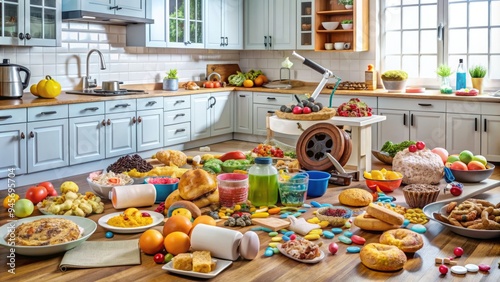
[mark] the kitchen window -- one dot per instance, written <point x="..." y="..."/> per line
<point x="419" y="35"/>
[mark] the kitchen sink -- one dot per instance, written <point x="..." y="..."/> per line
<point x="283" y="84"/>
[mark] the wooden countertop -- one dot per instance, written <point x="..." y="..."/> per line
<point x="154" y="90"/>
<point x="438" y="242"/>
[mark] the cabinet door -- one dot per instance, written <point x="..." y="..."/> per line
<point x="47" y="144"/>
<point x="13" y="152"/>
<point x="131" y="8"/>
<point x="232" y="26"/>
<point x="243" y="112"/>
<point x="305" y="25"/>
<point x="213" y="28"/>
<point x="121" y="135"/>
<point x="429" y="127"/>
<point x="395" y="128"/>
<point x="149" y="129"/>
<point x="12" y="15"/>
<point x="42" y="23"/>
<point x="100" y="6"/>
<point x="490" y="146"/>
<point x="259" y="118"/>
<point x="87" y="136"/>
<point x="256" y="24"/>
<point x="463" y="131"/>
<point x="282" y="24"/>
<point x="200" y="116"/>
<point x="221" y="113"/>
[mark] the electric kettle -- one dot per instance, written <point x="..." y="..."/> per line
<point x="11" y="84"/>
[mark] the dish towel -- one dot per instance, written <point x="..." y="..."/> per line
<point x="92" y="254"/>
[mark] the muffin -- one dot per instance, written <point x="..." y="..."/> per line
<point x="419" y="195"/>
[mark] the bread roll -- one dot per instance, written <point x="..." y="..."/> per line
<point x="355" y="197"/>
<point x="385" y="214"/>
<point x="195" y="183"/>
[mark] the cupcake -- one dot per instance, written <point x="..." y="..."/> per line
<point x="419" y="195"/>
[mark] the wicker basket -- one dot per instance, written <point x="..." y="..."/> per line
<point x="334" y="220"/>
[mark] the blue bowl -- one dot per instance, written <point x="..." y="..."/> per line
<point x="162" y="190"/>
<point x="318" y="182"/>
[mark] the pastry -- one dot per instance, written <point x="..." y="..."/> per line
<point x="46" y="231"/>
<point x="367" y="222"/>
<point x="422" y="166"/>
<point x="183" y="261"/>
<point x="419" y="195"/>
<point x="406" y="240"/>
<point x="382" y="257"/>
<point x="385" y="214"/>
<point x="171" y="157"/>
<point x="202" y="261"/>
<point x="355" y="197"/>
<point x="191" y="85"/>
<point x="197" y="186"/>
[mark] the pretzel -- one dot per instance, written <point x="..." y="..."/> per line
<point x="450" y="207"/>
<point x="474" y="214"/>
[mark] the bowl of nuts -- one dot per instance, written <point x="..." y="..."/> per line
<point x="336" y="216"/>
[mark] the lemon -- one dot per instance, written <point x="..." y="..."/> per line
<point x="392" y="175"/>
<point x="377" y="175"/>
<point x="383" y="171"/>
<point x="34" y="90"/>
<point x="367" y="175"/>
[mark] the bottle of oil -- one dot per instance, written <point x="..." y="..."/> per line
<point x="263" y="183"/>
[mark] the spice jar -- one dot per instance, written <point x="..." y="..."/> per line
<point x="263" y="183"/>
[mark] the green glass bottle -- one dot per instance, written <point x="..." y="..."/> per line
<point x="263" y="183"/>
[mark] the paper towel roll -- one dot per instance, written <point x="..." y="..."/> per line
<point x="221" y="242"/>
<point x="133" y="196"/>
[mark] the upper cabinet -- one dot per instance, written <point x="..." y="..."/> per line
<point x="30" y="23"/>
<point x="305" y="24"/>
<point x="354" y="37"/>
<point x="224" y="24"/>
<point x="130" y="8"/>
<point x="270" y="24"/>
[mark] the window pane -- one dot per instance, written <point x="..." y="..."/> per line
<point x="392" y="43"/>
<point x="495" y="10"/>
<point x="494" y="70"/>
<point x="456" y="15"/>
<point x="393" y="18"/>
<point x="389" y="3"/>
<point x="457" y="41"/>
<point x="410" y="65"/>
<point x="427" y="1"/>
<point x="428" y="16"/>
<point x="410" y="17"/>
<point x="495" y="40"/>
<point x="428" y="66"/>
<point x="478" y="40"/>
<point x="428" y="42"/>
<point x="410" y="42"/>
<point x="392" y="63"/>
<point x="477" y="16"/>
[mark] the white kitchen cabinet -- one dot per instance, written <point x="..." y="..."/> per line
<point x="131" y="8"/>
<point x="490" y="131"/>
<point x="13" y="142"/>
<point x="264" y="102"/>
<point x="305" y="25"/>
<point x="270" y="25"/>
<point x="222" y="115"/>
<point x="121" y="129"/>
<point x="463" y="131"/>
<point x="224" y="24"/>
<point x="412" y="119"/>
<point x="177" y="120"/>
<point x="243" y="112"/>
<point x="86" y="132"/>
<point x="31" y="23"/>
<point x="149" y="123"/>
<point x="211" y="114"/>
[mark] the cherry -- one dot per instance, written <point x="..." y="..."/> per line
<point x="458" y="251"/>
<point x="412" y="148"/>
<point x="420" y="145"/>
<point x="443" y="269"/>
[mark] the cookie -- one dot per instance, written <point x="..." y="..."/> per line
<point x="355" y="197"/>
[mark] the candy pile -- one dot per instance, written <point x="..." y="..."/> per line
<point x="354" y="108"/>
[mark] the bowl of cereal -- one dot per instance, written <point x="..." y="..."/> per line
<point x="102" y="182"/>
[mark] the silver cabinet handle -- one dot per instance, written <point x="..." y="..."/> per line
<point x="179" y="115"/>
<point x="179" y="101"/>
<point x="227" y="41"/>
<point x="5" y="117"/>
<point x="122" y="105"/>
<point x="270" y="41"/>
<point x="265" y="41"/>
<point x="180" y="130"/>
<point x="150" y="103"/>
<point x="91" y="109"/>
<point x="48" y="113"/>
<point x="221" y="41"/>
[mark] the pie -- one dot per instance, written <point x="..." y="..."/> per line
<point x="46" y="231"/>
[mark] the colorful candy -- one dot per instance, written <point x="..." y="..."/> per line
<point x="353" y="250"/>
<point x="472" y="267"/>
<point x="458" y="251"/>
<point x="345" y="240"/>
<point x="419" y="228"/>
<point x="328" y="235"/>
<point x="109" y="234"/>
<point x="443" y="269"/>
<point x="484" y="267"/>
<point x="458" y="269"/>
<point x="348" y="233"/>
<point x="269" y="252"/>
<point x="333" y="248"/>
<point x="358" y="240"/>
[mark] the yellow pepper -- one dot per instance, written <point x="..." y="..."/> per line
<point x="48" y="87"/>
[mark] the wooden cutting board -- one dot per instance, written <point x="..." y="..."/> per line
<point x="225" y="70"/>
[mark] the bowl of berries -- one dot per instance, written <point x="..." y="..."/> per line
<point x="336" y="216"/>
<point x="163" y="185"/>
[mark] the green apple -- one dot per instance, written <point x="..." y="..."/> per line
<point x="480" y="159"/>
<point x="452" y="158"/>
<point x="466" y="156"/>
<point x="23" y="208"/>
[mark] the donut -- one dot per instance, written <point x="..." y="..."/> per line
<point x="385" y="214"/>
<point x="406" y="240"/>
<point x="382" y="257"/>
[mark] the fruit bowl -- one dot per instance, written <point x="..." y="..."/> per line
<point x="339" y="217"/>
<point x="473" y="176"/>
<point x="384" y="185"/>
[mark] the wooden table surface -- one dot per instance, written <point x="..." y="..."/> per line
<point x="438" y="242"/>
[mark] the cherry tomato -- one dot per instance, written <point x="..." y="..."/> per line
<point x="36" y="194"/>
<point x="306" y="110"/>
<point x="159" y="258"/>
<point x="420" y="145"/>
<point x="412" y="148"/>
<point x="217" y="84"/>
<point x="51" y="191"/>
<point x="208" y="84"/>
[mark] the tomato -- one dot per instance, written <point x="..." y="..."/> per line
<point x="36" y="194"/>
<point x="51" y="191"/>
<point x="159" y="258"/>
<point x="208" y="84"/>
<point x="217" y="84"/>
<point x="235" y="155"/>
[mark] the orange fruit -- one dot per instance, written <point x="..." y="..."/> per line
<point x="177" y="242"/>
<point x="10" y="200"/>
<point x="203" y="219"/>
<point x="263" y="77"/>
<point x="258" y="81"/>
<point x="151" y="241"/>
<point x="248" y="83"/>
<point x="177" y="223"/>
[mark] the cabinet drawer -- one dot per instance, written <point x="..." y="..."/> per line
<point x="12" y="116"/>
<point x="462" y="107"/>
<point x="490" y="109"/>
<point x="412" y="104"/>
<point x="47" y="113"/>
<point x="271" y="99"/>
<point x="150" y="103"/>
<point x="176" y="102"/>
<point x="120" y="106"/>
<point x="86" y="109"/>
<point x="177" y="134"/>
<point x="178" y="116"/>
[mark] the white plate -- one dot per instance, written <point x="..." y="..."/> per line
<point x="314" y="260"/>
<point x="88" y="226"/>
<point x="157" y="219"/>
<point x="221" y="265"/>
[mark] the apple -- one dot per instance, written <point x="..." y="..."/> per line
<point x="452" y="159"/>
<point x="475" y="165"/>
<point x="458" y="165"/>
<point x="23" y="208"/>
<point x="480" y="159"/>
<point x="466" y="156"/>
<point x="441" y="152"/>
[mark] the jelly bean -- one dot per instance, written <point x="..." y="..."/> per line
<point x="297" y="214"/>
<point x="458" y="251"/>
<point x="293" y="237"/>
<point x="382" y="198"/>
<point x="405" y="223"/>
<point x="345" y="240"/>
<point x="266" y="229"/>
<point x="314" y="220"/>
<point x="337" y="230"/>
<point x="109" y="235"/>
<point x="273" y="244"/>
<point x="283" y="231"/>
<point x="353" y="250"/>
<point x="273" y="234"/>
<point x="443" y="269"/>
<point x="306" y="205"/>
<point x="358" y="240"/>
<point x="260" y="215"/>
<point x="348" y="233"/>
<point x="315" y="204"/>
<point x="302" y="210"/>
<point x="285" y="238"/>
<point x="472" y="267"/>
<point x="419" y="228"/>
<point x="276" y="250"/>
<point x="269" y="253"/>
<point x="327" y="205"/>
<point x="458" y="269"/>
<point x="328" y="235"/>
<point x="484" y="267"/>
<point x="258" y="228"/>
<point x="347" y="224"/>
<point x="289" y="233"/>
<point x="276" y="239"/>
<point x="311" y="237"/>
<point x="316" y="231"/>
<point x="284" y="215"/>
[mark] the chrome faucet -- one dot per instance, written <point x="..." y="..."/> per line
<point x="214" y="74"/>
<point x="88" y="83"/>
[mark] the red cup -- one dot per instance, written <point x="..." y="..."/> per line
<point x="233" y="188"/>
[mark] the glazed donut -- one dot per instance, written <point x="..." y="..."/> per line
<point x="382" y="257"/>
<point x="406" y="240"/>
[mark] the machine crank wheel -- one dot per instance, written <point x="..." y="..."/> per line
<point x="315" y="142"/>
<point x="347" y="149"/>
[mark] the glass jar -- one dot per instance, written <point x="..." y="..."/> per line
<point x="445" y="87"/>
<point x="263" y="183"/>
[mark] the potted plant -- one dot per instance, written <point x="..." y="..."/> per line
<point x="394" y="80"/>
<point x="347" y="4"/>
<point x="346" y="24"/>
<point x="444" y="72"/>
<point x="477" y="74"/>
<point x="171" y="81"/>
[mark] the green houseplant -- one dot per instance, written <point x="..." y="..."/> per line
<point x="171" y="80"/>
<point x="346" y="3"/>
<point x="477" y="74"/>
<point x="444" y="72"/>
<point x="346" y="24"/>
<point x="394" y="80"/>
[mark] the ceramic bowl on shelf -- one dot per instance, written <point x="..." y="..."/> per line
<point x="346" y="26"/>
<point x="330" y="25"/>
